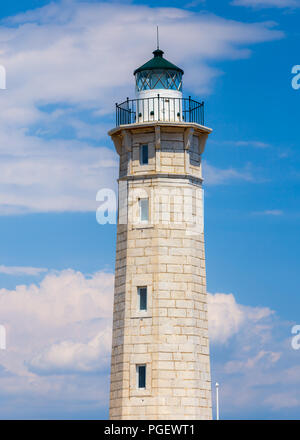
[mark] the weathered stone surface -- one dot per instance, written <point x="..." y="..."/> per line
<point x="166" y="255"/>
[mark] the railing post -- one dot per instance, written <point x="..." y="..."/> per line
<point x="189" y="109"/>
<point x="117" y="114"/>
<point x="134" y="110"/>
<point x="128" y="114"/>
<point x="158" y="106"/>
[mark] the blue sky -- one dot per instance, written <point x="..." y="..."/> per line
<point x="67" y="64"/>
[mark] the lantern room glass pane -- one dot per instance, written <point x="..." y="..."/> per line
<point x="159" y="79"/>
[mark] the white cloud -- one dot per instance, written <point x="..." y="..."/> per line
<point x="75" y="357"/>
<point x="61" y="298"/>
<point x="267" y="3"/>
<point x="21" y="270"/>
<point x="267" y="357"/>
<point x="256" y="144"/>
<point x="219" y="306"/>
<point x="59" y="339"/>
<point x="241" y="143"/>
<point x="78" y="53"/>
<point x="67" y="63"/>
<point x="278" y="401"/>
<point x="56" y="329"/>
<point x="39" y="175"/>
<point x="194" y="3"/>
<point x="269" y="212"/>
<point x="217" y="176"/>
<point x="227" y="317"/>
<point x="253" y="360"/>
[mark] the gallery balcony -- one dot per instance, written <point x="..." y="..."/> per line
<point x="159" y="109"/>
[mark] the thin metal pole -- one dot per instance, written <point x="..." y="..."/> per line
<point x="217" y="400"/>
<point x="127" y="114"/>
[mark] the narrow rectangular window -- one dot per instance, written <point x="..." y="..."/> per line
<point x="141" y="376"/>
<point x="142" y="296"/>
<point x="144" y="157"/>
<point x="144" y="210"/>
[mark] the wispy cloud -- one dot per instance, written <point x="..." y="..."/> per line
<point x="67" y="63"/>
<point x="269" y="212"/>
<point x="279" y="401"/>
<point x="22" y="270"/>
<point x="268" y="358"/>
<point x="194" y="3"/>
<point x="243" y="143"/>
<point x="218" y="176"/>
<point x="50" y="175"/>
<point x="255" y="144"/>
<point x="260" y="4"/>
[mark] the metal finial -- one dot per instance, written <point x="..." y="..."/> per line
<point x="157" y="37"/>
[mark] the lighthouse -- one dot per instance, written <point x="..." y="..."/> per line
<point x="160" y="365"/>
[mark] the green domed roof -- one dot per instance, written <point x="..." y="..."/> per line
<point x="158" y="62"/>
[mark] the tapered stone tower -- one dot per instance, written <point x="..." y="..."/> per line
<point x="160" y="366"/>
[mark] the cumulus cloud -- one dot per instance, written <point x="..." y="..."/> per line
<point x="74" y="357"/>
<point x="67" y="64"/>
<point x="59" y="341"/>
<point x="227" y="317"/>
<point x="220" y="305"/>
<point x="64" y="306"/>
<point x="56" y="329"/>
<point x="253" y="360"/>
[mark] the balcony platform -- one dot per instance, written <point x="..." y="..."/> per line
<point x="142" y="125"/>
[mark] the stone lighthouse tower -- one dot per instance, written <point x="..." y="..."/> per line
<point x="160" y="366"/>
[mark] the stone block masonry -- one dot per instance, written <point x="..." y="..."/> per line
<point x="166" y="255"/>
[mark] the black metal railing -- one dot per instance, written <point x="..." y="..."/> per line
<point x="159" y="108"/>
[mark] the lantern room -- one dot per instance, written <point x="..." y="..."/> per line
<point x="158" y="76"/>
<point x="158" y="90"/>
